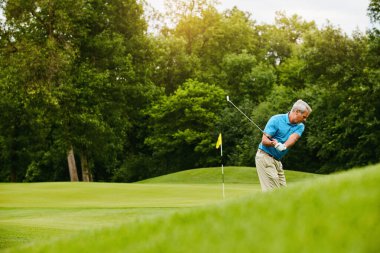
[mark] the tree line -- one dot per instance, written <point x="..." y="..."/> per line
<point x="90" y="90"/>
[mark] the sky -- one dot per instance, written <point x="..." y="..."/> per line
<point x="348" y="15"/>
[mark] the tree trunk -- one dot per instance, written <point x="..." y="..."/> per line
<point x="72" y="165"/>
<point x="86" y="174"/>
<point x="13" y="175"/>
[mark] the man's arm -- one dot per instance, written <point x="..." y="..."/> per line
<point x="291" y="140"/>
<point x="272" y="143"/>
<point x="267" y="142"/>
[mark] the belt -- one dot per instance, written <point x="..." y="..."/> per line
<point x="265" y="153"/>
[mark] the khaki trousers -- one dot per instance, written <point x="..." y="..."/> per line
<point x="270" y="171"/>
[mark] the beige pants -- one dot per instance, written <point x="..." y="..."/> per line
<point x="270" y="171"/>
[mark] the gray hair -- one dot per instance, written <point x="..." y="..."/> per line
<point x="301" y="106"/>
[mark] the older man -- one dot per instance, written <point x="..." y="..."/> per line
<point x="281" y="132"/>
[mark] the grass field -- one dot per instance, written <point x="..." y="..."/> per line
<point x="184" y="212"/>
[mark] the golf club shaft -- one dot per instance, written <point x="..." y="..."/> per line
<point x="228" y="99"/>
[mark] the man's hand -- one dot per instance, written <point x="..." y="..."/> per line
<point x="280" y="146"/>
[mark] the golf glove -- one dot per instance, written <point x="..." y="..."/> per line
<point x="280" y="146"/>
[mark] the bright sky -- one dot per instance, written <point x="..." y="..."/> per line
<point x="346" y="14"/>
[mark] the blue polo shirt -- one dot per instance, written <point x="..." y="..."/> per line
<point x="280" y="128"/>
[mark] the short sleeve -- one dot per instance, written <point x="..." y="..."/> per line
<point x="271" y="126"/>
<point x="300" y="129"/>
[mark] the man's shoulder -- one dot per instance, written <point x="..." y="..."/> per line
<point x="279" y="117"/>
<point x="301" y="126"/>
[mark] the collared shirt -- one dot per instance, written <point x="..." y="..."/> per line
<point x="280" y="128"/>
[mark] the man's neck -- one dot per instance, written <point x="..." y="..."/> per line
<point x="291" y="117"/>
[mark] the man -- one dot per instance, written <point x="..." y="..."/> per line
<point x="281" y="132"/>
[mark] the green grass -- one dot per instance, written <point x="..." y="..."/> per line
<point x="31" y="212"/>
<point x="336" y="213"/>
<point x="41" y="211"/>
<point x="232" y="175"/>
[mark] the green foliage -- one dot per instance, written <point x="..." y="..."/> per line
<point x="206" y="37"/>
<point x="245" y="77"/>
<point x="344" y="124"/>
<point x="278" y="41"/>
<point x="374" y="11"/>
<point x="136" y="167"/>
<point x="183" y="126"/>
<point x="88" y="75"/>
<point x="76" y="70"/>
<point x="352" y="127"/>
<point x="291" y="72"/>
<point x="173" y="64"/>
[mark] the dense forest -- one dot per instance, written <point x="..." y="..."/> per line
<point x="113" y="90"/>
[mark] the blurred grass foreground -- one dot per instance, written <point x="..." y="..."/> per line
<point x="334" y="213"/>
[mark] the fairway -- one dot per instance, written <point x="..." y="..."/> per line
<point x="36" y="212"/>
<point x="40" y="211"/>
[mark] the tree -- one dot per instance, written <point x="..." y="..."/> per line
<point x="339" y="76"/>
<point x="177" y="10"/>
<point x="173" y="66"/>
<point x="374" y="11"/>
<point x="229" y="33"/>
<point x="110" y="79"/>
<point x="184" y="126"/>
<point x="80" y="69"/>
<point x="36" y="58"/>
<point x="374" y="34"/>
<point x="244" y="77"/>
<point x="279" y="41"/>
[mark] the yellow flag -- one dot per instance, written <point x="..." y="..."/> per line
<point x="219" y="142"/>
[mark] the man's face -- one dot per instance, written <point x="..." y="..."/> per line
<point x="301" y="117"/>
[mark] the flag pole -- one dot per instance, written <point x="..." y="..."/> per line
<point x="221" y="156"/>
<point x="223" y="181"/>
<point x="219" y="144"/>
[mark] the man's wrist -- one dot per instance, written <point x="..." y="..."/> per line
<point x="280" y="146"/>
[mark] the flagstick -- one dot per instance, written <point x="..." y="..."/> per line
<point x="221" y="155"/>
<point x="223" y="181"/>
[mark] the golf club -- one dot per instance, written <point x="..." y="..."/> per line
<point x="228" y="99"/>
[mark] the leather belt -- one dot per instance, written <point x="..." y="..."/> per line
<point x="262" y="151"/>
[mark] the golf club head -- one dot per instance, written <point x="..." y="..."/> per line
<point x="228" y="98"/>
